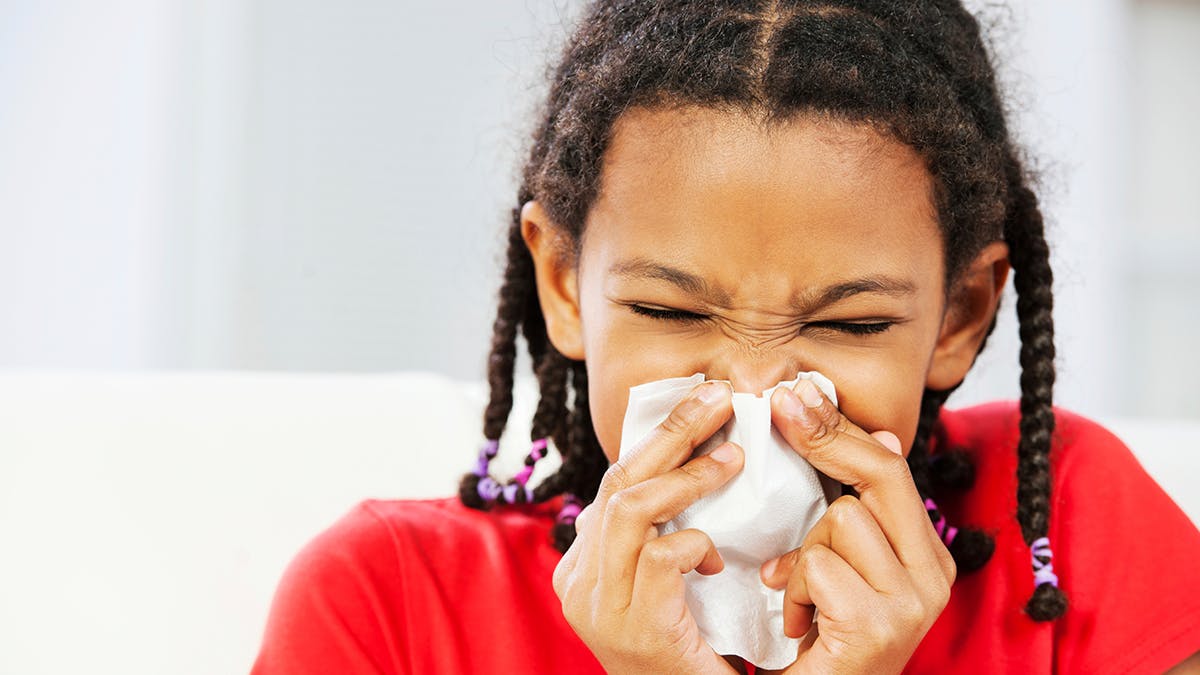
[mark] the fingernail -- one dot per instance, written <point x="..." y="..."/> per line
<point x="769" y="568"/>
<point x="712" y="392"/>
<point x="809" y="394"/>
<point x="792" y="405"/>
<point x="723" y="454"/>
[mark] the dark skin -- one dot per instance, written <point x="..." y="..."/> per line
<point x="748" y="252"/>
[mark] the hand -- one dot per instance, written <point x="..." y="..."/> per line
<point x="621" y="584"/>
<point x="873" y="564"/>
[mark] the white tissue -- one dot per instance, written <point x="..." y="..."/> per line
<point x="763" y="512"/>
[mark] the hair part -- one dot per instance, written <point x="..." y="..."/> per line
<point x="917" y="70"/>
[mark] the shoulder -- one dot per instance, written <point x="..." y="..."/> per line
<point x="1094" y="476"/>
<point x="990" y="432"/>
<point x="379" y="532"/>
<point x="1123" y="550"/>
<point x="392" y="580"/>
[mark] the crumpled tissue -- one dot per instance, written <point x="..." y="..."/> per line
<point x="763" y="512"/>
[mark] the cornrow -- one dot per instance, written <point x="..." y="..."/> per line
<point x="918" y="71"/>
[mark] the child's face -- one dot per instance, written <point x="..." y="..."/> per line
<point x="771" y="239"/>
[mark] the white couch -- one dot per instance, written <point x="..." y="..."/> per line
<point x="146" y="518"/>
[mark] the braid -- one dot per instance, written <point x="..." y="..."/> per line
<point x="918" y="457"/>
<point x="583" y="465"/>
<point x="550" y="419"/>
<point x="970" y="547"/>
<point x="1033" y="280"/>
<point x="513" y="307"/>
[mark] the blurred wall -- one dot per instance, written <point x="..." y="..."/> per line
<point x="307" y="185"/>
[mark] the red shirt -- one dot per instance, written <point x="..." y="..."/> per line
<point x="434" y="587"/>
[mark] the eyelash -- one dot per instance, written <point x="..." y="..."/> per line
<point x="680" y="315"/>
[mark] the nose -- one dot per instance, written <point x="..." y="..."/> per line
<point x="755" y="375"/>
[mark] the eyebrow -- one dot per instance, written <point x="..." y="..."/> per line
<point x="641" y="268"/>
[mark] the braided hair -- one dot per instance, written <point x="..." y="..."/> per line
<point x="918" y="71"/>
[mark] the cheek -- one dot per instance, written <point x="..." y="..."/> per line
<point x="618" y="359"/>
<point x="883" y="396"/>
<point x="612" y="369"/>
<point x="608" y="411"/>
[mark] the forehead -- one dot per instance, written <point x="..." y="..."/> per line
<point x="763" y="207"/>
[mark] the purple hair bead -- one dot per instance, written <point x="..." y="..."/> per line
<point x="485" y="457"/>
<point x="488" y="489"/>
<point x="511" y="490"/>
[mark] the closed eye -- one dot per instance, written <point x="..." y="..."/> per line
<point x="855" y="328"/>
<point x="667" y="314"/>
<point x="840" y="326"/>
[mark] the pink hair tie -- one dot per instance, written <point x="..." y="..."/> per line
<point x="536" y="452"/>
<point x="571" y="509"/>
<point x="946" y="534"/>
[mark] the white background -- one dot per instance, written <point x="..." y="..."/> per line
<point x="305" y="185"/>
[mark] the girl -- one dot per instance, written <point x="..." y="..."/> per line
<point x="749" y="190"/>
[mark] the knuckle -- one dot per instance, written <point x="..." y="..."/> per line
<point x="913" y="614"/>
<point x="910" y="611"/>
<point x="658" y="554"/>
<point x="625" y="505"/>
<point x="827" y="426"/>
<point x="559" y="580"/>
<point x="576" y="619"/>
<point x="792" y="557"/>
<point x="616" y="477"/>
<point x="942" y="597"/>
<point x="896" y="466"/>
<point x="941" y="589"/>
<point x="950" y="567"/>
<point x="889" y="632"/>
<point x="845" y="510"/>
<point x="678" y="422"/>
<point x="697" y="476"/>
<point x="583" y="519"/>
<point x="808" y="560"/>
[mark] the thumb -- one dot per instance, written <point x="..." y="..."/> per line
<point x="889" y="441"/>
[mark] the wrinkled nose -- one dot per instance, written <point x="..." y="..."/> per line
<point x="753" y="376"/>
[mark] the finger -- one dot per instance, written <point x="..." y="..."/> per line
<point x="945" y="560"/>
<point x="889" y="441"/>
<point x="631" y="511"/>
<point x="849" y="530"/>
<point x="584" y="520"/>
<point x="662" y="564"/>
<point x="822" y="580"/>
<point x="822" y="435"/>
<point x="570" y="559"/>
<point x="697" y="417"/>
<point x="691" y="422"/>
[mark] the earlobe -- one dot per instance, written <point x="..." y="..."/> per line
<point x="557" y="282"/>
<point x="971" y="308"/>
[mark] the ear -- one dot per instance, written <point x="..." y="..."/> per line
<point x="971" y="307"/>
<point x="557" y="282"/>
